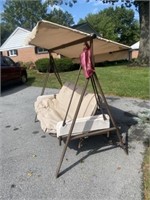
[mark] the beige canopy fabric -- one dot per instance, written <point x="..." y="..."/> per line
<point x="61" y="40"/>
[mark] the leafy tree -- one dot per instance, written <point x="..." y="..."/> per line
<point x="115" y="24"/>
<point x="60" y="17"/>
<point x="26" y="14"/>
<point x="23" y="13"/>
<point x="5" y="32"/>
<point x="143" y="8"/>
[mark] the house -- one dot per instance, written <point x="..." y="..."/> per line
<point x="135" y="50"/>
<point x="16" y="48"/>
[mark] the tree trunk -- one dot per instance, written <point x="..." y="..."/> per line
<point x="144" y="49"/>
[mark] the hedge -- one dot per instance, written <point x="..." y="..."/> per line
<point x="42" y="64"/>
<point x="62" y="65"/>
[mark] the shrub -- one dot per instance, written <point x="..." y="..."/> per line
<point x="21" y="64"/>
<point x="62" y="64"/>
<point x="27" y="65"/>
<point x="42" y="64"/>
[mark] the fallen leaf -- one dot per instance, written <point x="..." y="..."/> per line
<point x="118" y="168"/>
<point x="30" y="173"/>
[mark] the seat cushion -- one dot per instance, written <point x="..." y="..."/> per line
<point x="51" y="109"/>
<point x="82" y="125"/>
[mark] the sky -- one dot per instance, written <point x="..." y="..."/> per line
<point x="81" y="9"/>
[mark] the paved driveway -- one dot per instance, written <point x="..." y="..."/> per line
<point x="29" y="157"/>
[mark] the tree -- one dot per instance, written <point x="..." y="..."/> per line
<point x="144" y="51"/>
<point x="23" y="13"/>
<point x="60" y="17"/>
<point x="115" y="24"/>
<point x="5" y="32"/>
<point x="26" y="14"/>
<point x="143" y="8"/>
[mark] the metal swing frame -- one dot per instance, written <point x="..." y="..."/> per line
<point x="99" y="96"/>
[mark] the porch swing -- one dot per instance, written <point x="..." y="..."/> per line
<point x="71" y="114"/>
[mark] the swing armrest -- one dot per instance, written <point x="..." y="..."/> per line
<point x="84" y="124"/>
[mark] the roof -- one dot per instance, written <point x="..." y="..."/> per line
<point x="69" y="42"/>
<point x="16" y="40"/>
<point x="136" y="45"/>
<point x="85" y="27"/>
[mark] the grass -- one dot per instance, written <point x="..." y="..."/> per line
<point x="115" y="80"/>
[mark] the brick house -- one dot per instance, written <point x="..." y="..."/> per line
<point x="16" y="48"/>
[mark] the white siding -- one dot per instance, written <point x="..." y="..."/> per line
<point x="136" y="45"/>
<point x="16" y="40"/>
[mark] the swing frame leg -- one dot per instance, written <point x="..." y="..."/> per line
<point x="109" y="113"/>
<point x="53" y="67"/>
<point x="71" y="128"/>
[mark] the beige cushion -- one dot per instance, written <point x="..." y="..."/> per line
<point x="51" y="109"/>
<point x="83" y="125"/>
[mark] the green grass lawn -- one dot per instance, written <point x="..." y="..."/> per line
<point x="115" y="80"/>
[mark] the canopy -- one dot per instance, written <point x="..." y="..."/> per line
<point x="69" y="42"/>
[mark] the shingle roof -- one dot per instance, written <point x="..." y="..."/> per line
<point x="16" y="40"/>
<point x="85" y="27"/>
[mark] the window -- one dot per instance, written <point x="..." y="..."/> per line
<point x="40" y="50"/>
<point x="12" y="52"/>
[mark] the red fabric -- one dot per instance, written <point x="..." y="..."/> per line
<point x="86" y="63"/>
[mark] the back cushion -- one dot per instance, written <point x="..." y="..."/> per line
<point x="87" y="106"/>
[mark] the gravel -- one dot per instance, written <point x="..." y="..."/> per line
<point x="97" y="171"/>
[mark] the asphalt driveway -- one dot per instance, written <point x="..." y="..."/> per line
<point x="98" y="171"/>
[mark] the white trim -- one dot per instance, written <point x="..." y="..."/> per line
<point x="135" y="46"/>
<point x="12" y="56"/>
<point x="7" y="49"/>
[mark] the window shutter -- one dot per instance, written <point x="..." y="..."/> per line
<point x="35" y="49"/>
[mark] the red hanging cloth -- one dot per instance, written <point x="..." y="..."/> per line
<point x="86" y="61"/>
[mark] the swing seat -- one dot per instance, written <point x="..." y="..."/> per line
<point x="83" y="125"/>
<point x="51" y="109"/>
